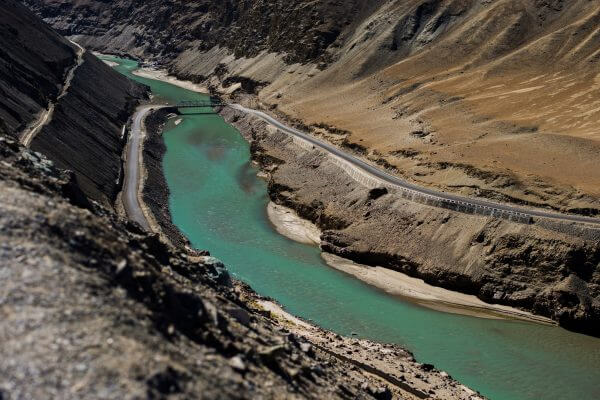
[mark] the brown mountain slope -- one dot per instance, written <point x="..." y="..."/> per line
<point x="497" y="99"/>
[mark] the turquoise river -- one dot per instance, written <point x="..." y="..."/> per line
<point x="220" y="204"/>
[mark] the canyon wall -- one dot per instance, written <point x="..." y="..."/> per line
<point x="494" y="99"/>
<point x="86" y="133"/>
<point x="83" y="132"/>
<point x="550" y="269"/>
<point x="33" y="65"/>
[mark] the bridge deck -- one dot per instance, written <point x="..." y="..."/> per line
<point x="199" y="104"/>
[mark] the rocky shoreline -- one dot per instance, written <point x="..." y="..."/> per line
<point x="498" y="261"/>
<point x="388" y="362"/>
<point x="384" y="371"/>
<point x="155" y="191"/>
<point x="544" y="268"/>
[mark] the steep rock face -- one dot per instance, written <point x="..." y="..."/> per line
<point x="497" y="99"/>
<point x="33" y="63"/>
<point x="551" y="269"/>
<point x="83" y="131"/>
<point x="304" y="30"/>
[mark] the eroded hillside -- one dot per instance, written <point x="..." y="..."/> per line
<point x="63" y="102"/>
<point x="497" y="99"/>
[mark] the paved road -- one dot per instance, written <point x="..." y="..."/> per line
<point x="131" y="183"/>
<point x="46" y="115"/>
<point x="388" y="179"/>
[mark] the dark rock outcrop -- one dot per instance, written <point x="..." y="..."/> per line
<point x="83" y="133"/>
<point x="156" y="190"/>
<point x="302" y="30"/>
<point x="33" y="63"/>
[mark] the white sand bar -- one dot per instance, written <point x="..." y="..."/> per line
<point x="162" y="75"/>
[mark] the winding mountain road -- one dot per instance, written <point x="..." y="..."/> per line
<point x="131" y="187"/>
<point x="130" y="195"/>
<point x="46" y="116"/>
<point x="387" y="179"/>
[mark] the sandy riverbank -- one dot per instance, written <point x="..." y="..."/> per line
<point x="437" y="298"/>
<point x="289" y="224"/>
<point x="162" y="75"/>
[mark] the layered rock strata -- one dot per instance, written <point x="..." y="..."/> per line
<point x="80" y="105"/>
<point x="551" y="269"/>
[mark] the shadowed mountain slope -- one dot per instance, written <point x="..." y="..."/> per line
<point x="80" y="105"/>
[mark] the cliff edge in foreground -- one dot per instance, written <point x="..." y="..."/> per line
<point x="91" y="307"/>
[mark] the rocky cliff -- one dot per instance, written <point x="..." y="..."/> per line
<point x="80" y="104"/>
<point x="32" y="67"/>
<point x="496" y="99"/>
<point x="86" y="131"/>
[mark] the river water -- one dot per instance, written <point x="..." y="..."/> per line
<point x="219" y="203"/>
